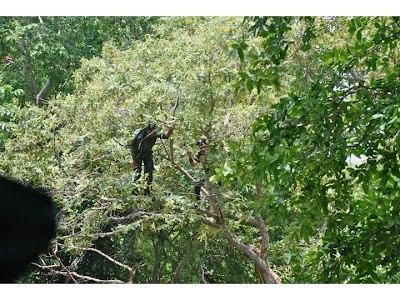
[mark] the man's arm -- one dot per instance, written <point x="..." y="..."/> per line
<point x="191" y="161"/>
<point x="196" y="159"/>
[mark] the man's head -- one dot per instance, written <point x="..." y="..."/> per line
<point x="151" y="129"/>
<point x="202" y="143"/>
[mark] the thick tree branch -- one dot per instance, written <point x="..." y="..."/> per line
<point x="182" y="263"/>
<point x="209" y="222"/>
<point x="206" y="212"/>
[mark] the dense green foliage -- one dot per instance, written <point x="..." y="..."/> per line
<point x="346" y="105"/>
<point x="39" y="55"/>
<point x="287" y="105"/>
<point x="37" y="51"/>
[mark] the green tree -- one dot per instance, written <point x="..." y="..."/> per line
<point x="287" y="105"/>
<point x="76" y="148"/>
<point x="344" y="106"/>
<point x="40" y="54"/>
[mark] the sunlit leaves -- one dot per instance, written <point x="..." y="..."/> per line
<point x="76" y="147"/>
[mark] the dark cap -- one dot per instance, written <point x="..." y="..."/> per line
<point x="202" y="140"/>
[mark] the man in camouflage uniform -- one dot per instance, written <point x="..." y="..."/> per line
<point x="142" y="153"/>
<point x="201" y="157"/>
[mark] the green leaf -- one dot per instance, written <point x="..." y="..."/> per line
<point x="377" y="116"/>
<point x="365" y="187"/>
<point x="352" y="26"/>
<point x="240" y="53"/>
<point x="288" y="257"/>
<point x="233" y="53"/>
<point x="249" y="85"/>
<point x="359" y="35"/>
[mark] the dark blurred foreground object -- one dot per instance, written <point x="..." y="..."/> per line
<point x="27" y="225"/>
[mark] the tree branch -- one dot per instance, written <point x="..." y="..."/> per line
<point x="173" y="110"/>
<point x="88" y="278"/>
<point x="184" y="260"/>
<point x="30" y="86"/>
<point x="209" y="222"/>
<point x="70" y="275"/>
<point x="261" y="225"/>
<point x="228" y="113"/>
<point x="132" y="273"/>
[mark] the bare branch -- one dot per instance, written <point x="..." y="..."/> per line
<point x="206" y="133"/>
<point x="70" y="275"/>
<point x="209" y="222"/>
<point x="206" y="212"/>
<point x="236" y="216"/>
<point x="239" y="216"/>
<point x="173" y="110"/>
<point x="171" y="150"/>
<point x="97" y="158"/>
<point x="245" y="249"/>
<point x="42" y="95"/>
<point x="228" y="112"/>
<point x="138" y="214"/>
<point x="268" y="275"/>
<point x="132" y="272"/>
<point x="88" y="278"/>
<point x="45" y="267"/>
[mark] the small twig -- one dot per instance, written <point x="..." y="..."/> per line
<point x="97" y="158"/>
<point x="173" y="110"/>
<point x="171" y="150"/>
<point x="45" y="267"/>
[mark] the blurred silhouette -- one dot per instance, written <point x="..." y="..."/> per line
<point x="27" y="224"/>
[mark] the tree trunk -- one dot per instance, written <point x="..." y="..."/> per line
<point x="30" y="86"/>
<point x="177" y="272"/>
<point x="44" y="92"/>
<point x="158" y="246"/>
